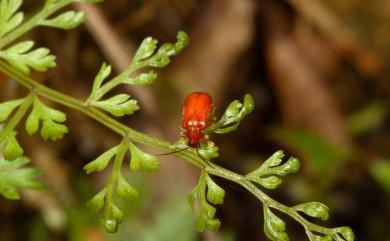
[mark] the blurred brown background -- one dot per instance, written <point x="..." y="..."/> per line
<point x="317" y="69"/>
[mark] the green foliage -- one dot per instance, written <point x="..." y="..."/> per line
<point x="269" y="173"/>
<point x="14" y="176"/>
<point x="97" y="202"/>
<point x="314" y="237"/>
<point x="51" y="129"/>
<point x="337" y="234"/>
<point x="380" y="170"/>
<point x="118" y="105"/>
<point x="142" y="160"/>
<point x="101" y="162"/>
<point x="23" y="59"/>
<point x="8" y="143"/>
<point x="117" y="185"/>
<point x="208" y="150"/>
<point x="145" y="56"/>
<point x="105" y="200"/>
<point x="51" y="120"/>
<point x="233" y="115"/>
<point x="125" y="190"/>
<point x="215" y="193"/>
<point x="314" y="209"/>
<point x="274" y="227"/>
<point x="103" y="73"/>
<point x="345" y="233"/>
<point x="12" y="147"/>
<point x="67" y="20"/>
<point x="9" y="18"/>
<point x="368" y="118"/>
<point x="7" y="107"/>
<point x="206" y="218"/>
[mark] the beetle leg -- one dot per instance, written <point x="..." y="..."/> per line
<point x="182" y="131"/>
<point x="210" y="143"/>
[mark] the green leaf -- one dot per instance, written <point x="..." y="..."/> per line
<point x="9" y="19"/>
<point x="182" y="41"/>
<point x="215" y="193"/>
<point x="142" y="79"/>
<point x="145" y="56"/>
<point x="97" y="202"/>
<point x="314" y="237"/>
<point x="12" y="148"/>
<point x="9" y="192"/>
<point x="116" y="212"/>
<point x="380" y="169"/>
<point x="32" y="121"/>
<point x="101" y="162"/>
<point x="13" y="177"/>
<point x="206" y="219"/>
<point x="346" y="233"/>
<point x="19" y="57"/>
<point x="104" y="72"/>
<point x="51" y="121"/>
<point x="67" y="20"/>
<point x="113" y="218"/>
<point x="272" y="161"/>
<point x="52" y="130"/>
<point x="270" y="182"/>
<point x="7" y="107"/>
<point x="233" y="115"/>
<point x="314" y="209"/>
<point x="193" y="196"/>
<point x="274" y="227"/>
<point x="291" y="166"/>
<point x="208" y="151"/>
<point x="111" y="225"/>
<point x="142" y="160"/>
<point x="125" y="190"/>
<point x="267" y="174"/>
<point x="146" y="49"/>
<point x="118" y="105"/>
<point x="368" y="118"/>
<point x="162" y="57"/>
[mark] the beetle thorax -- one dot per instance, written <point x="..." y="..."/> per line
<point x="194" y="135"/>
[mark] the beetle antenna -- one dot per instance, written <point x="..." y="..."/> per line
<point x="207" y="162"/>
<point x="173" y="152"/>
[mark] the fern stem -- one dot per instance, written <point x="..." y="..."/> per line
<point x="188" y="155"/>
<point x="265" y="199"/>
<point x="96" y="114"/>
<point x="17" y="117"/>
<point x="34" y="21"/>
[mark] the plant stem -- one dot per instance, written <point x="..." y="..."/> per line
<point x="46" y="11"/>
<point x="96" y="114"/>
<point x="110" y="187"/>
<point x="17" y="117"/>
<point x="188" y="155"/>
<point x="265" y="199"/>
<point x="117" y="80"/>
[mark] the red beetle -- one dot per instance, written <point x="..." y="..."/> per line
<point x="197" y="109"/>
